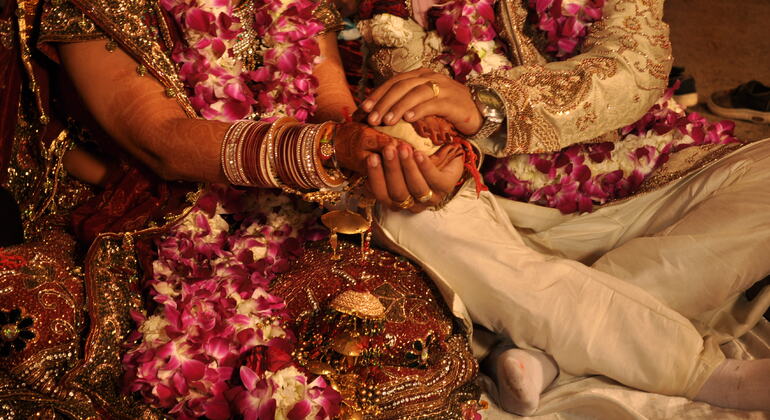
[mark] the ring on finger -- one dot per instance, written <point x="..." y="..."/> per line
<point x="408" y="202"/>
<point x="425" y="197"/>
<point x="436" y="89"/>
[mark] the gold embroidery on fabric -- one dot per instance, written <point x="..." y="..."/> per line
<point x="19" y="402"/>
<point x="26" y="57"/>
<point x="36" y="176"/>
<point x="111" y="274"/>
<point x="6" y="33"/>
<point x="63" y="22"/>
<point x="326" y="13"/>
<point x="550" y="107"/>
<point x="543" y="89"/>
<point x="123" y="21"/>
<point x="512" y="21"/>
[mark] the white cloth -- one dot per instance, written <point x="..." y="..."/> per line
<point x="663" y="260"/>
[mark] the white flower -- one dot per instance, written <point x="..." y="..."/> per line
<point x="490" y="60"/>
<point x="288" y="390"/>
<point x="389" y="31"/>
<point x="166" y="289"/>
<point x="567" y="5"/>
<point x="154" y="329"/>
<point x="526" y="172"/>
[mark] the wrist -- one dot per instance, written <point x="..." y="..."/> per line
<point x="492" y="111"/>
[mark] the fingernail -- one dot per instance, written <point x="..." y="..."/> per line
<point x="409" y="115"/>
<point x="374" y="117"/>
<point x="389" y="153"/>
<point x="373" y="161"/>
<point x="389" y="117"/>
<point x="419" y="157"/>
<point x="403" y="151"/>
<point x="367" y="105"/>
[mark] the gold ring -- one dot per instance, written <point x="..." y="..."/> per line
<point x="408" y="202"/>
<point x="436" y="89"/>
<point x="426" y="197"/>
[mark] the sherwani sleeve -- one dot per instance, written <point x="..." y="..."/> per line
<point x="620" y="73"/>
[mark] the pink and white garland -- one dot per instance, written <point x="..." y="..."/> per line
<point x="221" y="87"/>
<point x="576" y="178"/>
<point x="565" y="23"/>
<point x="215" y="344"/>
<point x="213" y="315"/>
<point x="467" y="30"/>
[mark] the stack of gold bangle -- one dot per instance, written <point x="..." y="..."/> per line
<point x="282" y="154"/>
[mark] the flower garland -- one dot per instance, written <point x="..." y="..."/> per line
<point x="467" y="30"/>
<point x="222" y="87"/>
<point x="565" y="23"/>
<point x="215" y="345"/>
<point x="576" y="178"/>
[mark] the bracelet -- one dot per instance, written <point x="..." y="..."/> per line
<point x="284" y="153"/>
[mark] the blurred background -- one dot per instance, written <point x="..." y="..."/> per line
<point x="722" y="43"/>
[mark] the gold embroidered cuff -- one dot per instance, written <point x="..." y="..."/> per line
<point x="329" y="17"/>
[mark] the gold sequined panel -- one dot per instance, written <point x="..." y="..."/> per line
<point x="63" y="22"/>
<point x="42" y="306"/>
<point x="140" y="28"/>
<point x="620" y="73"/>
<point x="36" y="175"/>
<point x="19" y="402"/>
<point x="424" y="365"/>
<point x="111" y="276"/>
<point x="6" y="33"/>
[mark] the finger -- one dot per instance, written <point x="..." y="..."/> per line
<point x="436" y="178"/>
<point x="420" y="94"/>
<point x="376" y="180"/>
<point x="439" y="107"/>
<point x="394" y="178"/>
<point x="442" y="156"/>
<point x="382" y="110"/>
<point x="375" y="96"/>
<point x="415" y="182"/>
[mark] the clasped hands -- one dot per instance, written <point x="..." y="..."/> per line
<point x="397" y="175"/>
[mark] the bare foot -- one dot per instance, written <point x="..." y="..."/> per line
<point x="521" y="376"/>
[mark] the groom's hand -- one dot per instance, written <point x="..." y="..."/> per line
<point x="419" y="93"/>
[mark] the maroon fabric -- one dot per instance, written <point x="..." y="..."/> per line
<point x="367" y="9"/>
<point x="132" y="197"/>
<point x="10" y="88"/>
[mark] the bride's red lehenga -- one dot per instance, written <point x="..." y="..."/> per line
<point x="68" y="290"/>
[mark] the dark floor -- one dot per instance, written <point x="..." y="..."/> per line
<point x="723" y="43"/>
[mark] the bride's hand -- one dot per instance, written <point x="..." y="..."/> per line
<point x="419" y="93"/>
<point x="438" y="129"/>
<point x="355" y="142"/>
<point x="402" y="172"/>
